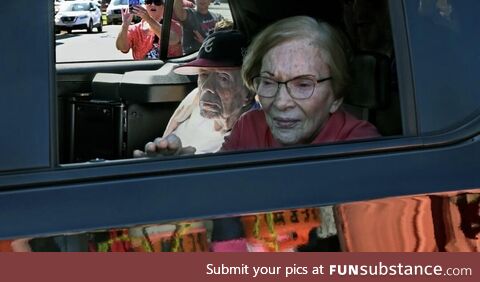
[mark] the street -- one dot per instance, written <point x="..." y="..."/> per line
<point x="80" y="46"/>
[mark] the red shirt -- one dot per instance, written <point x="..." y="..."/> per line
<point x="140" y="39"/>
<point x="251" y="131"/>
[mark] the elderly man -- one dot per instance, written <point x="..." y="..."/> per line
<point x="204" y="118"/>
<point x="209" y="112"/>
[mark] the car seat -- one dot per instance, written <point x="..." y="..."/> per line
<point x="373" y="93"/>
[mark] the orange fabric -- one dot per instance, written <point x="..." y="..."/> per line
<point x="291" y="229"/>
<point x="5" y="246"/>
<point x="387" y="225"/>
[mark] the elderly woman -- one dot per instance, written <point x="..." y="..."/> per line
<point x="299" y="69"/>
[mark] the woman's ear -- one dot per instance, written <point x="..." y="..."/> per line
<point x="335" y="105"/>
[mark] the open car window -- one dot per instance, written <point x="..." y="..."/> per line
<point x="119" y="113"/>
<point x="85" y="35"/>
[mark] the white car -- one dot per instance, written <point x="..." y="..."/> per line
<point x="74" y="15"/>
<point x="114" y="11"/>
<point x="57" y="5"/>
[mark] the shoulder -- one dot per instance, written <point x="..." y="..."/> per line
<point x="353" y="128"/>
<point x="252" y="117"/>
<point x="247" y="132"/>
<point x="251" y="123"/>
<point x="135" y="27"/>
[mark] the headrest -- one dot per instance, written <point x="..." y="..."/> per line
<point x="371" y="79"/>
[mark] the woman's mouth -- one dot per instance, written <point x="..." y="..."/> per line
<point x="285" y="122"/>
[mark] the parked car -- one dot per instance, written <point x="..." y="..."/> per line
<point x="57" y="5"/>
<point x="75" y="15"/>
<point x="114" y="12"/>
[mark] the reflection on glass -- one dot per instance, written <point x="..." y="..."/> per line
<point x="424" y="223"/>
<point x="415" y="224"/>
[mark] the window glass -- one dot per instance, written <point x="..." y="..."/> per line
<point x="219" y="105"/>
<point x="79" y="30"/>
<point x="446" y="61"/>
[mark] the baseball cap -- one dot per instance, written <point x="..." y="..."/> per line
<point x="222" y="49"/>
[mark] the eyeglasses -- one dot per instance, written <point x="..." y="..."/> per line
<point x="298" y="87"/>
<point x="156" y="2"/>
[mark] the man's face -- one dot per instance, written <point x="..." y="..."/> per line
<point x="222" y="93"/>
<point x="202" y="5"/>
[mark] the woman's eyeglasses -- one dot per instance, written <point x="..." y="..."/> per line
<point x="156" y="2"/>
<point x="298" y="88"/>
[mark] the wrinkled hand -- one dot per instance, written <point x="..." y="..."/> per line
<point x="126" y="16"/>
<point x="170" y="145"/>
<point x="197" y="36"/>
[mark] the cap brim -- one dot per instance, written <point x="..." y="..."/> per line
<point x="194" y="66"/>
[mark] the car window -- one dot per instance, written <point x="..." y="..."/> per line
<point x="441" y="31"/>
<point x="77" y="35"/>
<point x="75" y="7"/>
<point x="205" y="116"/>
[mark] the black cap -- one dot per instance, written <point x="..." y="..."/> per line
<point x="222" y="49"/>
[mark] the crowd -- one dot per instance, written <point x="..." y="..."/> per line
<point x="191" y="23"/>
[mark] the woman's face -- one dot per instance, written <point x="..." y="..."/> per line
<point x="155" y="11"/>
<point x="293" y="121"/>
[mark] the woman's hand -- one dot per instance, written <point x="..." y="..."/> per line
<point x="126" y="16"/>
<point x="141" y="12"/>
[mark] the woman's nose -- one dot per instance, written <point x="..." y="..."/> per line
<point x="283" y="100"/>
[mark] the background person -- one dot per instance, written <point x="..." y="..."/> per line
<point x="144" y="38"/>
<point x="197" y="23"/>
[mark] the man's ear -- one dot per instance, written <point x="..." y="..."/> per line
<point x="335" y="105"/>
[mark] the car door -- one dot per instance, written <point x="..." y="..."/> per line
<point x="98" y="14"/>
<point x="435" y="153"/>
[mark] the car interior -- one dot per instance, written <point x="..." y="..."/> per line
<point x="107" y="109"/>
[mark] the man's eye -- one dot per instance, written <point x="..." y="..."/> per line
<point x="223" y="77"/>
